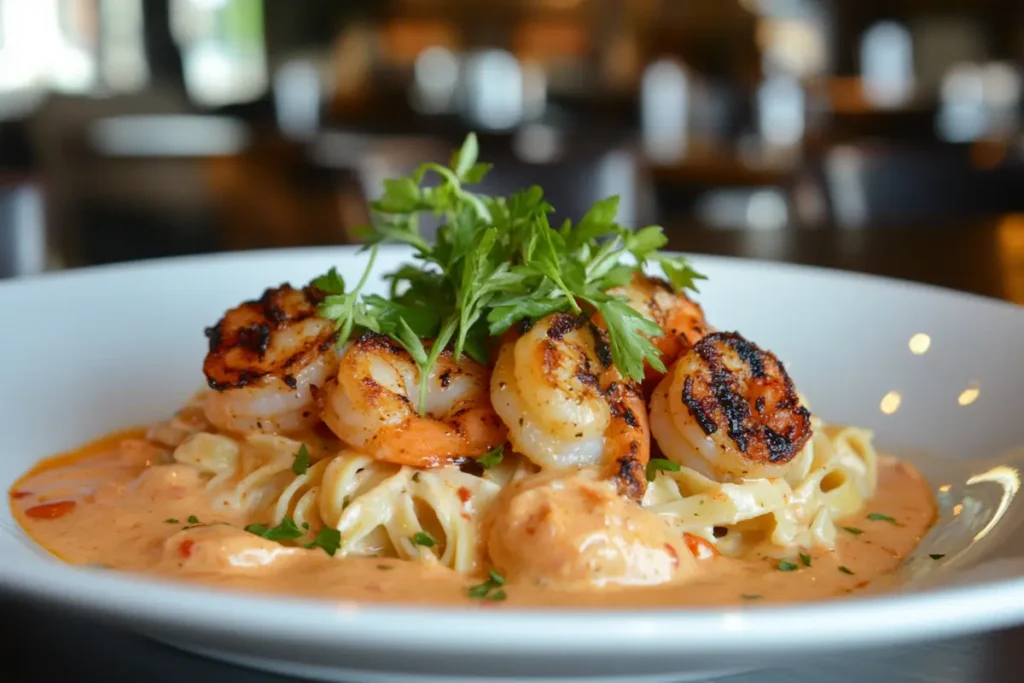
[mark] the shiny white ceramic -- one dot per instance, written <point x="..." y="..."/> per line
<point x="932" y="371"/>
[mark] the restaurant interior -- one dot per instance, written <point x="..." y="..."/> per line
<point x="881" y="137"/>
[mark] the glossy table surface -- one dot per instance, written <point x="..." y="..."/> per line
<point x="983" y="256"/>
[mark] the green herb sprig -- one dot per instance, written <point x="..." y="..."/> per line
<point x="496" y="261"/>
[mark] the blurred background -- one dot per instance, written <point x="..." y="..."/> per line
<point x="875" y="135"/>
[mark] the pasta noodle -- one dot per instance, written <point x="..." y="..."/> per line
<point x="380" y="509"/>
<point x="832" y="477"/>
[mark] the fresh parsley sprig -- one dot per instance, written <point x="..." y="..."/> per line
<point x="497" y="261"/>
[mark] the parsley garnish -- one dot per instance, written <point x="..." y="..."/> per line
<point x="328" y="539"/>
<point x="937" y="556"/>
<point x="424" y="539"/>
<point x="750" y="596"/>
<point x="490" y="589"/>
<point x="845" y="570"/>
<point x="787" y="566"/>
<point x="285" y="531"/>
<point x="806" y="559"/>
<point x="496" y="260"/>
<point x="171" y="520"/>
<point x="852" y="530"/>
<point x="656" y="465"/>
<point x="877" y="517"/>
<point x="192" y="519"/>
<point x="301" y="463"/>
<point x="492" y="458"/>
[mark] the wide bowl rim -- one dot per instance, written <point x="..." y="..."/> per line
<point x="860" y="620"/>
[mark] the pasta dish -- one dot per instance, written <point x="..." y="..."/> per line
<point x="533" y="414"/>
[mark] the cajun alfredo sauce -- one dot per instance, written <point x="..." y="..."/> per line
<point x="102" y="506"/>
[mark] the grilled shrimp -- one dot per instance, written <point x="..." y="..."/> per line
<point x="265" y="358"/>
<point x="729" y="409"/>
<point x="566" y="406"/>
<point x="681" y="318"/>
<point x="372" y="406"/>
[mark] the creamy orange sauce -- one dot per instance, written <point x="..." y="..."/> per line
<point x="108" y="505"/>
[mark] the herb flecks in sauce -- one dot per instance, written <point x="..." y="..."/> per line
<point x="285" y="531"/>
<point x="490" y="589"/>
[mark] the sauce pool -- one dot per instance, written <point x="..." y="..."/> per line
<point x="103" y="506"/>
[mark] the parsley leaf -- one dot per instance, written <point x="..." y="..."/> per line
<point x="492" y="458"/>
<point x="629" y="349"/>
<point x="806" y="559"/>
<point x="285" y="531"/>
<point x="327" y="539"/>
<point x="301" y="463"/>
<point x="852" y="530"/>
<point x="845" y="570"/>
<point x="787" y="566"/>
<point x="192" y="519"/>
<point x="937" y="556"/>
<point x="655" y="465"/>
<point x="496" y="261"/>
<point x="170" y="520"/>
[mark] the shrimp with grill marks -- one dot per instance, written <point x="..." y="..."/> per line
<point x="566" y="406"/>
<point x="372" y="405"/>
<point x="681" y="319"/>
<point x="729" y="409"/>
<point x="266" y="359"/>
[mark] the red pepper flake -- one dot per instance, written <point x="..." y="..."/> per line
<point x="672" y="552"/>
<point x="18" y="495"/>
<point x="862" y="584"/>
<point x="51" y="510"/>
<point x="185" y="549"/>
<point x="700" y="548"/>
<point x="464" y="494"/>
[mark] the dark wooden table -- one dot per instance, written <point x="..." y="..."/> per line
<point x="984" y="256"/>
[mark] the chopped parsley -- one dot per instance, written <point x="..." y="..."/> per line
<point x="751" y="596"/>
<point x="937" y="556"/>
<point x="496" y="261"/>
<point x="192" y="519"/>
<point x="852" y="530"/>
<point x="328" y="539"/>
<point x="301" y="463"/>
<point x="492" y="458"/>
<point x="171" y="520"/>
<point x="656" y="465"/>
<point x="845" y="570"/>
<point x="424" y="539"/>
<point x="285" y="531"/>
<point x="305" y="525"/>
<point x="787" y="566"/>
<point x="490" y="589"/>
<point x="806" y="559"/>
<point x="878" y="517"/>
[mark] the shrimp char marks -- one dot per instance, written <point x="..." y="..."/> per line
<point x="729" y="410"/>
<point x="567" y="406"/>
<point x="265" y="360"/>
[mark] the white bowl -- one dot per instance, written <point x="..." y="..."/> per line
<point x="90" y="351"/>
